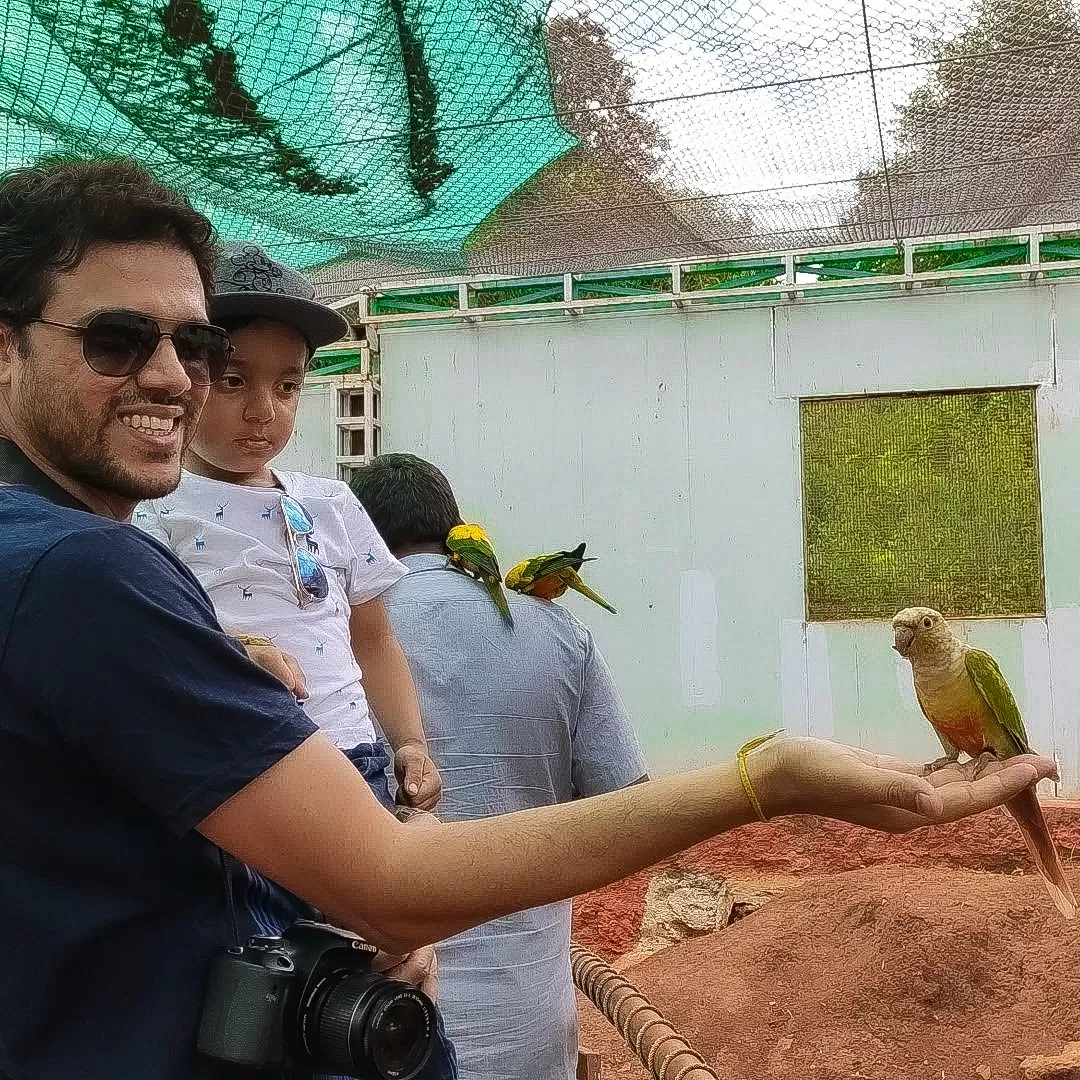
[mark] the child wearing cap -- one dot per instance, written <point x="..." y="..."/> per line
<point x="286" y="557"/>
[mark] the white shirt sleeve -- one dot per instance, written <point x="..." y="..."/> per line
<point x="372" y="569"/>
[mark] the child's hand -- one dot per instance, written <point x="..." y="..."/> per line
<point x="419" y="783"/>
<point x="419" y="968"/>
<point x="281" y="665"/>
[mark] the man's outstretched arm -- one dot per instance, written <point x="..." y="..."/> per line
<point x="310" y="823"/>
<point x="146" y="689"/>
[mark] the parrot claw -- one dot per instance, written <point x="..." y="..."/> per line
<point x="941" y="763"/>
<point x="982" y="761"/>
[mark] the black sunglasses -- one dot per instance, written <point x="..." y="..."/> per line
<point x="120" y="343"/>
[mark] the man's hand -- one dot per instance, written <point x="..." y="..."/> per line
<point x="409" y="816"/>
<point x="419" y="783"/>
<point x="280" y="664"/>
<point x="419" y="969"/>
<point x="812" y="776"/>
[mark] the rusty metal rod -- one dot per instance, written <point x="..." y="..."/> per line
<point x="659" y="1047"/>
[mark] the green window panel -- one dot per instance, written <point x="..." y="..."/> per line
<point x="922" y="499"/>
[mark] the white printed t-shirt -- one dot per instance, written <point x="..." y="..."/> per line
<point x="233" y="539"/>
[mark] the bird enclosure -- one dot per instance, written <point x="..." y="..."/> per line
<point x="765" y="481"/>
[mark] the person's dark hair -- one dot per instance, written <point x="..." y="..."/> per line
<point x="408" y="500"/>
<point x="53" y="212"/>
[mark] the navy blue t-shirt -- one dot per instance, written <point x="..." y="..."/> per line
<point x="126" y="717"/>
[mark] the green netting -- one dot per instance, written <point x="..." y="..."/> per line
<point x="322" y="129"/>
<point x="547" y="136"/>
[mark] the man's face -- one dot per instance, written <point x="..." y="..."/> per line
<point x="120" y="438"/>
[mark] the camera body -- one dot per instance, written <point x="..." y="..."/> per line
<point x="309" y="1000"/>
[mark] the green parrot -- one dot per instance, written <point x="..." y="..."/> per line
<point x="549" y="576"/>
<point x="964" y="695"/>
<point x="471" y="553"/>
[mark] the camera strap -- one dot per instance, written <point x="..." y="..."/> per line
<point x="227" y="863"/>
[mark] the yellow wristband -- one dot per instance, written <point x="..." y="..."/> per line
<point x="744" y="776"/>
<point x="250" y="639"/>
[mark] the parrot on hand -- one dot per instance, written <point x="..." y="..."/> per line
<point x="549" y="576"/>
<point x="470" y="551"/>
<point x="964" y="695"/>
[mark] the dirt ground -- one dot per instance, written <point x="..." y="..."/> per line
<point x="935" y="955"/>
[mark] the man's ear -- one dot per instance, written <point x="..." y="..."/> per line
<point x="9" y="349"/>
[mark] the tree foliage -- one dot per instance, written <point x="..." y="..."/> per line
<point x="593" y="90"/>
<point x="618" y="168"/>
<point x="982" y="139"/>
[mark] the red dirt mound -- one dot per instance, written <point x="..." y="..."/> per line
<point x="609" y="921"/>
<point x="886" y="973"/>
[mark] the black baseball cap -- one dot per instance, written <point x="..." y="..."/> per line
<point x="251" y="285"/>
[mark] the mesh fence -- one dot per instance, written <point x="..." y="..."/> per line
<point x="402" y="137"/>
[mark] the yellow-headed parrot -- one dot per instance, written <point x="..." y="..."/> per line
<point x="549" y="576"/>
<point x="964" y="695"/>
<point x="471" y="553"/>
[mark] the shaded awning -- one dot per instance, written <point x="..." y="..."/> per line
<point x="323" y="129"/>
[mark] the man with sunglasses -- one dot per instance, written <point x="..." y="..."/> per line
<point x="136" y="737"/>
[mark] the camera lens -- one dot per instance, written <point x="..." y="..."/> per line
<point x="368" y="1025"/>
<point x="394" y="1045"/>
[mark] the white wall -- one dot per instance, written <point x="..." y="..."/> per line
<point x="313" y="447"/>
<point x="670" y="443"/>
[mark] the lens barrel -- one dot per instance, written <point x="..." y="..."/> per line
<point x="365" y="1024"/>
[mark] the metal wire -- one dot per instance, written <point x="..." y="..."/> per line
<point x="877" y="119"/>
<point x="514" y="137"/>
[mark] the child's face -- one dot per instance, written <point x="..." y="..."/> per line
<point x="251" y="410"/>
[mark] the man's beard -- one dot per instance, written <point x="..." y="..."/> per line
<point x="74" y="442"/>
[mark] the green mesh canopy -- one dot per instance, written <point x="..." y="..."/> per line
<point x="320" y="129"/>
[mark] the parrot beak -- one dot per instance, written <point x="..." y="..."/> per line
<point x="903" y="636"/>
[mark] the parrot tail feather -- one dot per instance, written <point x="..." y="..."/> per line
<point x="494" y="587"/>
<point x="596" y="598"/>
<point x="1028" y="815"/>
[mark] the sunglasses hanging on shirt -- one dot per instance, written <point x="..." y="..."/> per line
<point x="311" y="582"/>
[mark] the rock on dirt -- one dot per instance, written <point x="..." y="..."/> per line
<point x="791" y="849"/>
<point x="680" y="904"/>
<point x="1063" y="1066"/>
<point x="882" y="973"/>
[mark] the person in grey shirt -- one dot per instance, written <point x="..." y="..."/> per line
<point x="515" y="718"/>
